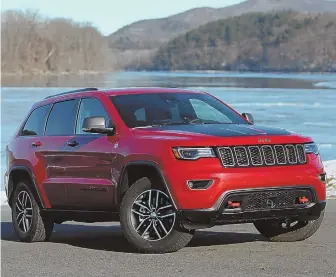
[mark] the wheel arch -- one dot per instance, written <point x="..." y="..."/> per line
<point x="135" y="170"/>
<point x="23" y="173"/>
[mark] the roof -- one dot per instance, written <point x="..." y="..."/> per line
<point x="118" y="91"/>
<point x="138" y="90"/>
<point x="110" y="92"/>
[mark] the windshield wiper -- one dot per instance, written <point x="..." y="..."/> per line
<point x="160" y="125"/>
<point x="168" y="124"/>
<point x="203" y="121"/>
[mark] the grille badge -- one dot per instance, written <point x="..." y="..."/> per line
<point x="264" y="140"/>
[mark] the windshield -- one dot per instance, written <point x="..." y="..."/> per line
<point x="156" y="109"/>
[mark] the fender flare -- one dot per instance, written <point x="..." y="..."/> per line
<point x="33" y="187"/>
<point x="144" y="163"/>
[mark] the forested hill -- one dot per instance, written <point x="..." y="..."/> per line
<point x="283" y="41"/>
<point x="151" y="33"/>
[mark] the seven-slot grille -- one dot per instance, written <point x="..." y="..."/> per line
<point x="262" y="155"/>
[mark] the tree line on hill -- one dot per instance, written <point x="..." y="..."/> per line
<point x="282" y="41"/>
<point x="274" y="41"/>
<point x="33" y="44"/>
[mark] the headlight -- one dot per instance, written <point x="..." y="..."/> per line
<point x="193" y="153"/>
<point x="311" y="148"/>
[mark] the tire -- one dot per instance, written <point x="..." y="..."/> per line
<point x="150" y="241"/>
<point x="274" y="230"/>
<point x="36" y="229"/>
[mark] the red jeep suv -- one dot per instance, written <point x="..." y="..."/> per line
<point x="164" y="162"/>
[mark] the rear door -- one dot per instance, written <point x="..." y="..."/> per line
<point x="60" y="129"/>
<point x="90" y="160"/>
<point x="30" y="143"/>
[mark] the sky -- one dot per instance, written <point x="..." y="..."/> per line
<point x="110" y="15"/>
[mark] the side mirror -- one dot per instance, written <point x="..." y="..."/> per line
<point x="249" y="117"/>
<point x="97" y="125"/>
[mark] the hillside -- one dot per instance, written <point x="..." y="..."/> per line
<point x="150" y="34"/>
<point x="283" y="41"/>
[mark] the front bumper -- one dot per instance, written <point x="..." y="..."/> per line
<point x="198" y="219"/>
<point x="232" y="179"/>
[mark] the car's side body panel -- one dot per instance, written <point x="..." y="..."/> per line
<point x="88" y="170"/>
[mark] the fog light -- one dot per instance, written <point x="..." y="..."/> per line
<point x="199" y="184"/>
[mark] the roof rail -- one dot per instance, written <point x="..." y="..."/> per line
<point x="72" y="91"/>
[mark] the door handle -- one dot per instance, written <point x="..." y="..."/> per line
<point x="36" y="143"/>
<point x="72" y="143"/>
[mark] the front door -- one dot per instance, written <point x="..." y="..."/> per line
<point x="89" y="160"/>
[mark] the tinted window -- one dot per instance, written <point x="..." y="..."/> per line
<point x="151" y="109"/>
<point x="91" y="107"/>
<point x="205" y="111"/>
<point x="140" y="114"/>
<point x="61" y="121"/>
<point x="36" y="122"/>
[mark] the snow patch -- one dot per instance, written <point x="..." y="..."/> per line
<point x="3" y="197"/>
<point x="330" y="168"/>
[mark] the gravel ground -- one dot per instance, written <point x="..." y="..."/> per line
<point x="78" y="249"/>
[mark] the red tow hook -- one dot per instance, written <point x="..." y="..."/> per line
<point x="233" y="205"/>
<point x="303" y="200"/>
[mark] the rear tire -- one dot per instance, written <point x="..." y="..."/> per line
<point x="28" y="223"/>
<point x="281" y="231"/>
<point x="141" y="211"/>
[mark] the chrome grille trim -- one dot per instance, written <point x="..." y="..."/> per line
<point x="301" y="154"/>
<point x="241" y="156"/>
<point x="262" y="155"/>
<point x="224" y="160"/>
<point x="280" y="156"/>
<point x="256" y="158"/>
<point x="268" y="160"/>
<point x="291" y="154"/>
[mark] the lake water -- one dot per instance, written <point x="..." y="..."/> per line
<point x="304" y="103"/>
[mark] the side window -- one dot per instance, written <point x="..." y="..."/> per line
<point x="91" y="107"/>
<point x="207" y="112"/>
<point x="61" y="121"/>
<point x="140" y="114"/>
<point x="175" y="114"/>
<point x="36" y="122"/>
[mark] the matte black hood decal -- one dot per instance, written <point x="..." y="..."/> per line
<point x="223" y="130"/>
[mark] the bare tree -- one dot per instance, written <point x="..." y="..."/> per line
<point x="33" y="44"/>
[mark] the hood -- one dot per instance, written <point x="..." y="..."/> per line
<point x="217" y="133"/>
<point x="217" y="130"/>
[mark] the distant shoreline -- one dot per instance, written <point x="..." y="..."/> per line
<point x="52" y="73"/>
<point x="90" y="72"/>
<point x="129" y="78"/>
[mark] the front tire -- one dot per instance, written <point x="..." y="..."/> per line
<point x="149" y="220"/>
<point x="288" y="231"/>
<point x="28" y="223"/>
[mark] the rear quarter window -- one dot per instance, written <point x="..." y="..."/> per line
<point x="34" y="126"/>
